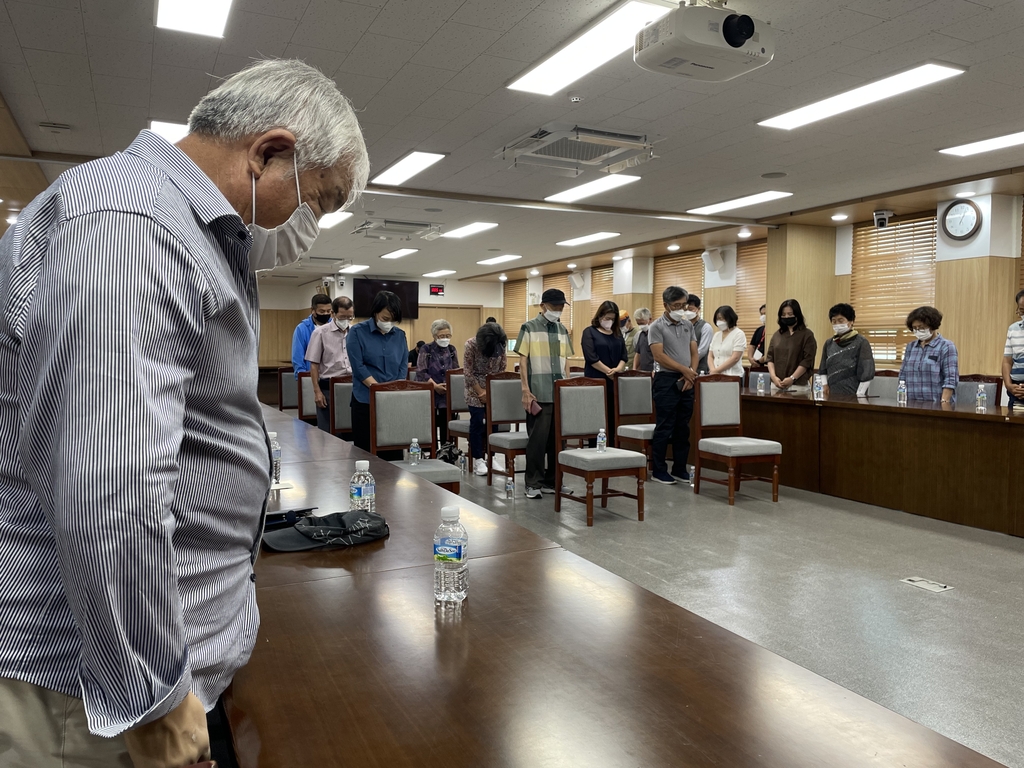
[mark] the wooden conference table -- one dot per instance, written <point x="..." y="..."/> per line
<point x="944" y="462"/>
<point x="552" y="661"/>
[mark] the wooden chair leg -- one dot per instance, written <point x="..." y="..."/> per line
<point x="590" y="501"/>
<point x="732" y="482"/>
<point x="696" y="474"/>
<point x="604" y="492"/>
<point x="558" y="487"/>
<point x="775" y="481"/>
<point x="489" y="458"/>
<point x="640" y="494"/>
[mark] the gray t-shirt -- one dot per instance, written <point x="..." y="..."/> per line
<point x="675" y="338"/>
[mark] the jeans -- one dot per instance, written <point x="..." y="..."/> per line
<point x="323" y="415"/>
<point x="477" y="431"/>
<point x="541" y="446"/>
<point x="674" y="409"/>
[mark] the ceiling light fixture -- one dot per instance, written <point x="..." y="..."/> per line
<point x="503" y="277"/>
<point x="740" y="202"/>
<point x="407" y="167"/>
<point x="534" y="272"/>
<point x="498" y="260"/>
<point x="353" y="268"/>
<point x="570" y="266"/>
<point x="592" y="188"/>
<point x="885" y="88"/>
<point x="200" y="17"/>
<point x="439" y="273"/>
<point x="965" y="194"/>
<point x="744" y="234"/>
<point x="988" y="145"/>
<point x="599" y="43"/>
<point x="329" y="220"/>
<point x="616" y="258"/>
<point x="673" y="248"/>
<point x="12" y="219"/>
<point x="839" y="217"/>
<point x="470" y="229"/>
<point x="588" y="238"/>
<point x="173" y="132"/>
<point x="400" y="253"/>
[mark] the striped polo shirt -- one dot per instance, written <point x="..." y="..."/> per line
<point x="1014" y="350"/>
<point x="547" y="347"/>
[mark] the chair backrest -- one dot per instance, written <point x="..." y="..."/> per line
<point x="884" y="384"/>
<point x="341" y="404"/>
<point x="455" y="403"/>
<point x="750" y="376"/>
<point x="718" y="402"/>
<point x="307" y="402"/>
<point x="633" y="394"/>
<point x="580" y="408"/>
<point x="400" y="411"/>
<point x="967" y="389"/>
<point x="287" y="388"/>
<point x="504" y="399"/>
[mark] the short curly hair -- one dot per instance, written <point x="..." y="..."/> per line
<point x="929" y="316"/>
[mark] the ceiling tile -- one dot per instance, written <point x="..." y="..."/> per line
<point x="178" y="49"/>
<point x="175" y="91"/>
<point x="28" y="111"/>
<point x="123" y="91"/>
<point x="16" y="78"/>
<point x="378" y="56"/>
<point x="226" y="65"/>
<point x="987" y="23"/>
<point x="445" y="104"/>
<point x="110" y="56"/>
<point x="68" y="104"/>
<point x="413" y="84"/>
<point x="48" y="29"/>
<point x="413" y="20"/>
<point x="126" y="19"/>
<point x="454" y="46"/>
<point x="130" y="119"/>
<point x="10" y="48"/>
<point x="485" y="74"/>
<point x="324" y="60"/>
<point x="501" y="16"/>
<point x="52" y="68"/>
<point x="415" y="129"/>
<point x="531" y="39"/>
<point x="250" y="34"/>
<point x="282" y="9"/>
<point x="358" y="88"/>
<point x="333" y="25"/>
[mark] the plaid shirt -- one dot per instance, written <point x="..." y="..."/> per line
<point x="546" y="347"/>
<point x="929" y="368"/>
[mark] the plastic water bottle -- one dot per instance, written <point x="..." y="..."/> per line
<point x="819" y="388"/>
<point x="414" y="451"/>
<point x="901" y="393"/>
<point x="981" y="401"/>
<point x="451" y="566"/>
<point x="362" y="488"/>
<point x="602" y="441"/>
<point x="463" y="464"/>
<point x="510" y="488"/>
<point x="760" y="383"/>
<point x="275" y="454"/>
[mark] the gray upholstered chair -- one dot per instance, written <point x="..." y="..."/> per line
<point x="341" y="405"/>
<point x="287" y="388"/>
<point x="456" y="404"/>
<point x="967" y="390"/>
<point x="580" y="412"/>
<point x="884" y="385"/>
<point x="307" y="401"/>
<point x="505" y="409"/>
<point x="634" y="408"/>
<point x="718" y="408"/>
<point x="400" y="411"/>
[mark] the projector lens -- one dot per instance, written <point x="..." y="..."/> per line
<point x="737" y="30"/>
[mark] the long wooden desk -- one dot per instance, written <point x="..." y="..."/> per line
<point x="552" y="661"/>
<point x="948" y="463"/>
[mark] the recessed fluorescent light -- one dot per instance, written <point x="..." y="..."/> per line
<point x="353" y="268"/>
<point x="439" y="273"/>
<point x="407" y="167"/>
<point x="503" y="278"/>
<point x="173" y="132"/>
<point x="329" y="220"/>
<point x="965" y="194"/>
<point x="399" y="253"/>
<point x="534" y="272"/>
<point x="739" y="202"/>
<point x="616" y="258"/>
<point x="470" y="229"/>
<point x="839" y="217"/>
<point x="744" y="233"/>
<point x="200" y="17"/>
<point x="673" y="248"/>
<point x="12" y="219"/>
<point x="498" y="260"/>
<point x="588" y="238"/>
<point x="570" y="266"/>
<point x="592" y="188"/>
<point x="599" y="43"/>
<point x="866" y="94"/>
<point x="988" y="145"/>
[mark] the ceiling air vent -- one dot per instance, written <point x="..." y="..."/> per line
<point x="571" y="150"/>
<point x="388" y="229"/>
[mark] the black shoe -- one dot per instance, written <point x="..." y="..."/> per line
<point x="684" y="477"/>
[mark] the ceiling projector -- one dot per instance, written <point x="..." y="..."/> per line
<point x="704" y="42"/>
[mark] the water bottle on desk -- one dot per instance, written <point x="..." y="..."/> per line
<point x="602" y="441"/>
<point x="362" y="489"/>
<point x="463" y="464"/>
<point x="819" y="387"/>
<point x="901" y="393"/>
<point x="761" y="387"/>
<point x="510" y="488"/>
<point x="451" y="566"/>
<point x="981" y="400"/>
<point x="414" y="451"/>
<point x="275" y="454"/>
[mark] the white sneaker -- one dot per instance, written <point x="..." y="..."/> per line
<point x="498" y="462"/>
<point x="479" y="467"/>
<point x="533" y="493"/>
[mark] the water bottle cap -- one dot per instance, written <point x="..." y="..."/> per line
<point x="415" y="439"/>
<point x="362" y="466"/>
<point x="272" y="435"/>
<point x="449" y="513"/>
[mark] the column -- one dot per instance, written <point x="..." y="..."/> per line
<point x="802" y="266"/>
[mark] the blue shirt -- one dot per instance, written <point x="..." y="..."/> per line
<point x="134" y="464"/>
<point x="385" y="356"/>
<point x="928" y="370"/>
<point x="300" y="340"/>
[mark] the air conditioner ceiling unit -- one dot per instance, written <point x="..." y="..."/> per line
<point x="575" y="148"/>
<point x="383" y="229"/>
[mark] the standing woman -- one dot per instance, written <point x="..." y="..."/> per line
<point x="930" y="367"/>
<point x="1013" y="357"/>
<point x="482" y="357"/>
<point x="378" y="352"/>
<point x="604" y="351"/>
<point x="792" y="350"/>
<point x="726" y="356"/>
<point x="755" y="352"/>
<point x="847" y="362"/>
<point x="435" y="359"/>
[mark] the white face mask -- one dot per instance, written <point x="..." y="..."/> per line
<point x="286" y="243"/>
<point x="644" y="328"/>
<point x="342" y="324"/>
<point x="689" y="314"/>
<point x="763" y="319"/>
<point x="923" y="334"/>
<point x="607" y="324"/>
<point x="677" y="314"/>
<point x="551" y="316"/>
<point x="385" y="325"/>
<point x="442" y="343"/>
<point x="840" y="328"/>
<point x="722" y="325"/>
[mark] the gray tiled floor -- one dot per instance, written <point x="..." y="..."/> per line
<point x="816" y="580"/>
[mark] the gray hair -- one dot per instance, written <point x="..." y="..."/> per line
<point x="674" y="293"/>
<point x="642" y="314"/>
<point x="288" y="93"/>
<point x="439" y="325"/>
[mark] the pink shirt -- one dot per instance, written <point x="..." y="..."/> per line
<point x="328" y="348"/>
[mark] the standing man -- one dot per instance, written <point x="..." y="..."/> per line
<point x="319" y="315"/>
<point x="327" y="355"/>
<point x="134" y="462"/>
<point x="675" y="356"/>
<point x="702" y="331"/>
<point x="544" y="348"/>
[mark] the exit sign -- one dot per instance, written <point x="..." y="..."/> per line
<point x="437" y="290"/>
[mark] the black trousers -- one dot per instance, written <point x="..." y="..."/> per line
<point x="361" y="431"/>
<point x="674" y="409"/>
<point x="323" y="415"/>
<point x="541" y="447"/>
<point x="441" y="420"/>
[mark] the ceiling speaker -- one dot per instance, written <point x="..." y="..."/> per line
<point x="713" y="260"/>
<point x="577" y="281"/>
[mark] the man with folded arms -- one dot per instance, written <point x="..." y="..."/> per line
<point x="134" y="462"/>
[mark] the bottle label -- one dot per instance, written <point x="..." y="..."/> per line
<point x="448" y="553"/>
<point x="356" y="491"/>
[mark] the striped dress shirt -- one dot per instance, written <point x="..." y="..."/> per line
<point x="134" y="463"/>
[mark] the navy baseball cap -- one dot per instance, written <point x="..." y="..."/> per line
<point x="340" y="529"/>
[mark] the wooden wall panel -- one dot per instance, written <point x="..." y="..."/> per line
<point x="975" y="297"/>
<point x="801" y="266"/>
<point x="276" y="329"/>
<point x="714" y="298"/>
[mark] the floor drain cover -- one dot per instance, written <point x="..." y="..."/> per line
<point x="931" y="586"/>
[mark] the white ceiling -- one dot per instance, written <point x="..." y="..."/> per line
<point x="430" y="75"/>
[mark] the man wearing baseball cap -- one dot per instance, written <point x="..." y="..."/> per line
<point x="544" y="347"/>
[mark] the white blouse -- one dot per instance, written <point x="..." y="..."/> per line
<point x="723" y="345"/>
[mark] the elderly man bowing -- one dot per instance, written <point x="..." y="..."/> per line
<point x="134" y="463"/>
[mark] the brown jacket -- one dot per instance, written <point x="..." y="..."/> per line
<point x="788" y="352"/>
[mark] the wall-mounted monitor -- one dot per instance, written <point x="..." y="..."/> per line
<point x="365" y="289"/>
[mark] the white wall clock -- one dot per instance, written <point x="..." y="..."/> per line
<point x="961" y="220"/>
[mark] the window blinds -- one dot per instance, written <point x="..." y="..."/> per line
<point x="561" y="282"/>
<point x="893" y="273"/>
<point x="601" y="282"/>
<point x="751" y="277"/>
<point x="515" y="310"/>
<point x="684" y="269"/>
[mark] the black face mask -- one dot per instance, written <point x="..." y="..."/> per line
<point x="789" y="322"/>
<point x="320" y="319"/>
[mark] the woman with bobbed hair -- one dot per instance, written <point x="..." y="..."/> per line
<point x="433" y="362"/>
<point x="604" y="351"/>
<point x="930" y="366"/>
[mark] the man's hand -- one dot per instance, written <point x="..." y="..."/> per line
<point x="527" y="399"/>
<point x="1017" y="390"/>
<point x="177" y="739"/>
<point x="318" y="396"/>
<point x="687" y="384"/>
<point x="689" y="374"/>
<point x="440" y="388"/>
